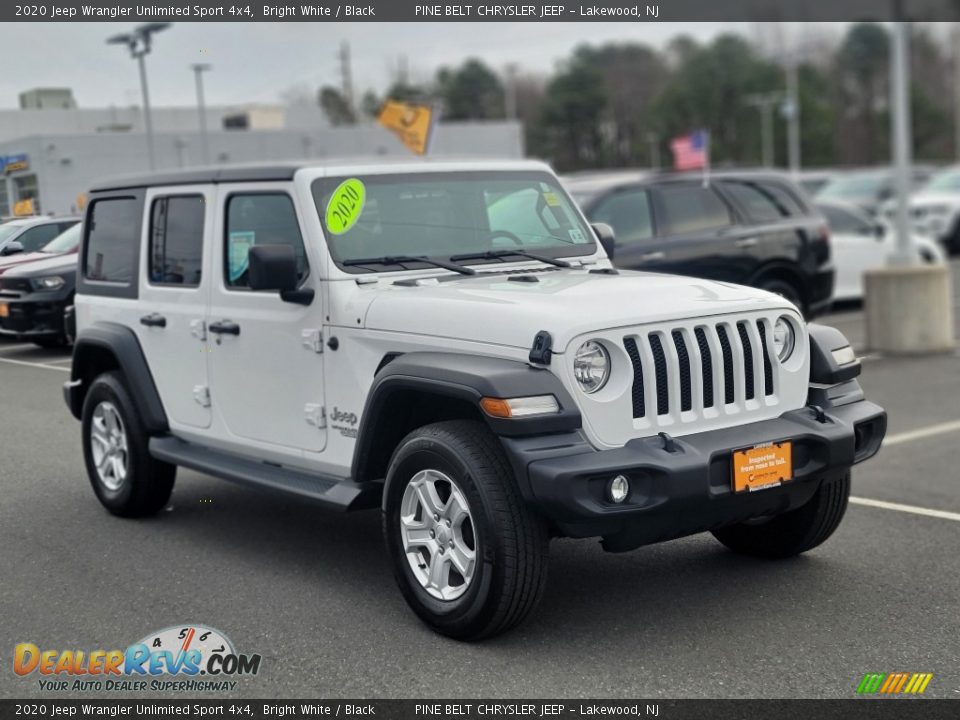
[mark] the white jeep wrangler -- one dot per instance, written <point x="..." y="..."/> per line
<point x="449" y="342"/>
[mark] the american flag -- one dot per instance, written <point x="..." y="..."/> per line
<point x="691" y="152"/>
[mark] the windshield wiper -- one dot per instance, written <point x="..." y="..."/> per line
<point x="501" y="254"/>
<point x="404" y="259"/>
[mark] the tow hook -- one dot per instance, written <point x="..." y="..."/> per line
<point x="818" y="414"/>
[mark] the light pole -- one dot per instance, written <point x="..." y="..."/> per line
<point x="792" y="107"/>
<point x="765" y="102"/>
<point x="199" y="69"/>
<point x="139" y="44"/>
<point x="902" y="134"/>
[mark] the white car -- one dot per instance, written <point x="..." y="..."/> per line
<point x="859" y="243"/>
<point x="935" y="209"/>
<point x="448" y="342"/>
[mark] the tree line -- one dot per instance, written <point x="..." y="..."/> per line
<point x="620" y="104"/>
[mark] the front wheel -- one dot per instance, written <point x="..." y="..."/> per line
<point x="469" y="556"/>
<point x="792" y="532"/>
<point x="785" y="289"/>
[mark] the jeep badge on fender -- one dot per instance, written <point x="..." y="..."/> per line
<point x="495" y="382"/>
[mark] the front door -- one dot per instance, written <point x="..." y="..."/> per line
<point x="174" y="294"/>
<point x="266" y="362"/>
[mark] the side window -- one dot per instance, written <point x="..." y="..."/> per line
<point x="112" y="237"/>
<point x="843" y="222"/>
<point x="763" y="202"/>
<point x="259" y="219"/>
<point x="36" y="237"/>
<point x="64" y="226"/>
<point x="628" y="213"/>
<point x="689" y="208"/>
<point x="176" y="240"/>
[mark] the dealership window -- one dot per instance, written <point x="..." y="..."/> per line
<point x="176" y="240"/>
<point x="25" y="187"/>
<point x="259" y="219"/>
<point x="4" y="198"/>
<point x="112" y="236"/>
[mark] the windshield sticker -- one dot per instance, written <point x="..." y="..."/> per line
<point x="345" y="206"/>
<point x="238" y="253"/>
<point x="576" y="235"/>
<point x="552" y="199"/>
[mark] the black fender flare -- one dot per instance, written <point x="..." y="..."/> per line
<point x="463" y="378"/>
<point x="122" y="344"/>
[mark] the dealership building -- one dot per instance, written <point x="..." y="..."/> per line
<point x="52" y="155"/>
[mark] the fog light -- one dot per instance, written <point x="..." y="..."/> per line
<point x="618" y="489"/>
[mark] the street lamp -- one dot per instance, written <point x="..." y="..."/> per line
<point x="199" y="69"/>
<point x="139" y="43"/>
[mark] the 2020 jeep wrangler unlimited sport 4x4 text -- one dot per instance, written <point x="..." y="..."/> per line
<point x="449" y="342"/>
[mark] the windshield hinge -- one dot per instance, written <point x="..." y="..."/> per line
<point x="541" y="352"/>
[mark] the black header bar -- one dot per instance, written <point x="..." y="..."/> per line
<point x="625" y="11"/>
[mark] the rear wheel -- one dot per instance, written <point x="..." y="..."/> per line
<point x="792" y="532"/>
<point x="126" y="479"/>
<point x="468" y="554"/>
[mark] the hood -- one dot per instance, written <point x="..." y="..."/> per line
<point x="934" y="197"/>
<point x="19" y="259"/>
<point x="496" y="310"/>
<point x="46" y="264"/>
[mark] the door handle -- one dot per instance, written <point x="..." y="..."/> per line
<point x="154" y="320"/>
<point x="746" y="242"/>
<point x="224" y="327"/>
<point x="657" y="255"/>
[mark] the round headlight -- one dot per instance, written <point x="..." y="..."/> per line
<point x="591" y="366"/>
<point x="784" y="338"/>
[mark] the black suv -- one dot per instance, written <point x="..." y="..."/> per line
<point x="751" y="228"/>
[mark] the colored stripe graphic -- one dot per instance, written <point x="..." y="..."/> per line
<point x="894" y="683"/>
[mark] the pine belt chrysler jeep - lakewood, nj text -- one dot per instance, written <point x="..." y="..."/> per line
<point x="449" y="342"/>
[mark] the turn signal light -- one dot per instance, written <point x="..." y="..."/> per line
<point x="520" y="407"/>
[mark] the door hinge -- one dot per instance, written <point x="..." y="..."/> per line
<point x="312" y="340"/>
<point x="198" y="328"/>
<point x="315" y="415"/>
<point x="201" y="393"/>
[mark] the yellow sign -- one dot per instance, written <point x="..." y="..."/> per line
<point x="81" y="202"/>
<point x="23" y="207"/>
<point x="345" y="206"/>
<point x="17" y="166"/>
<point x="411" y="123"/>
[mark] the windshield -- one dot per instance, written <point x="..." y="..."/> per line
<point x="949" y="180"/>
<point x="440" y="215"/>
<point x="858" y="185"/>
<point x="64" y="242"/>
<point x="9" y="231"/>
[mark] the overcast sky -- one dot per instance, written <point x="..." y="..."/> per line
<point x="258" y="62"/>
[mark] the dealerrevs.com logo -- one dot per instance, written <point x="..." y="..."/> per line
<point x="186" y="658"/>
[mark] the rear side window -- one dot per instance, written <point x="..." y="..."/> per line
<point x="687" y="209"/>
<point x="176" y="240"/>
<point x="259" y="219"/>
<point x="763" y="202"/>
<point x="36" y="237"/>
<point x="112" y="237"/>
<point x="628" y="213"/>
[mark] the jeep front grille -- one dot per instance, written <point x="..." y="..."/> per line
<point x="683" y="370"/>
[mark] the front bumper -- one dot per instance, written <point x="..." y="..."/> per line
<point x="33" y="317"/>
<point x="689" y="489"/>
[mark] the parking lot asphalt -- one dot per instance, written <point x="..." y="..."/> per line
<point x="312" y="592"/>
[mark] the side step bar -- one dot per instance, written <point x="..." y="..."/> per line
<point x="334" y="492"/>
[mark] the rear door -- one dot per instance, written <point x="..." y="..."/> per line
<point x="174" y="298"/>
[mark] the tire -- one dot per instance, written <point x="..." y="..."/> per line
<point x="57" y="341"/>
<point x="509" y="542"/>
<point x="785" y="289"/>
<point x="144" y="485"/>
<point x="793" y="532"/>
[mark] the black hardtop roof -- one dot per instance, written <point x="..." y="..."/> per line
<point x="197" y="176"/>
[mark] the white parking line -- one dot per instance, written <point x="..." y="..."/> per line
<point x="21" y="346"/>
<point x="921" y="433"/>
<point x="913" y="509"/>
<point x="33" y="364"/>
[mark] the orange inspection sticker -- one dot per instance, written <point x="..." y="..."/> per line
<point x="762" y="466"/>
<point x="4" y="310"/>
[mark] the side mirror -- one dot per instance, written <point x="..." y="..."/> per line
<point x="11" y="248"/>
<point x="605" y="235"/>
<point x="274" y="267"/>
